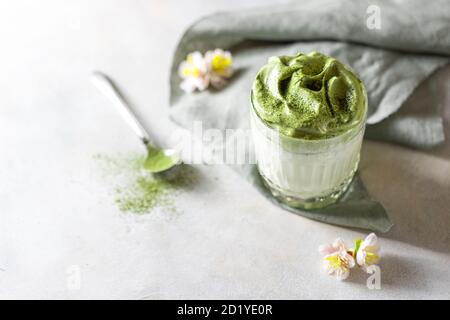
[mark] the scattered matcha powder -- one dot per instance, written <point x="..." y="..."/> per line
<point x="143" y="196"/>
<point x="138" y="191"/>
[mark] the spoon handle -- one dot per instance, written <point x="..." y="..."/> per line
<point x="110" y="90"/>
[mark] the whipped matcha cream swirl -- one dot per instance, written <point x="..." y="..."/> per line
<point x="309" y="96"/>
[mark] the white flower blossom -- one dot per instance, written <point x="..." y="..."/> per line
<point x="338" y="260"/>
<point x="219" y="63"/>
<point x="368" y="251"/>
<point x="198" y="71"/>
<point x="194" y="73"/>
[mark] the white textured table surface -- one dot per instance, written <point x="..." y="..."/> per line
<point x="57" y="217"/>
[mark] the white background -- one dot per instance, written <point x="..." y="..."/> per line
<point x="58" y="219"/>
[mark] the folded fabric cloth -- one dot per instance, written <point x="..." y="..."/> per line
<point x="408" y="43"/>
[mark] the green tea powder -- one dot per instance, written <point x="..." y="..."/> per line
<point x="138" y="191"/>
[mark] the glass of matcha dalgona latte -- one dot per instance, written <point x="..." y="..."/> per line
<point x="308" y="115"/>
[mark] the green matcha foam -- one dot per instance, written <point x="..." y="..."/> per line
<point x="308" y="96"/>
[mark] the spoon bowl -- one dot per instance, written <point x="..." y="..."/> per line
<point x="159" y="160"/>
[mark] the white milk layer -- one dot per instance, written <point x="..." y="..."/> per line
<point x="307" y="169"/>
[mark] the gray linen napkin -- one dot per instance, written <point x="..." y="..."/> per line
<point x="412" y="42"/>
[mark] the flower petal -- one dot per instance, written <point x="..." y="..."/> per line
<point x="188" y="86"/>
<point x="342" y="274"/>
<point x="361" y="257"/>
<point x="339" y="244"/>
<point x="350" y="261"/>
<point x="326" y="249"/>
<point x="370" y="240"/>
